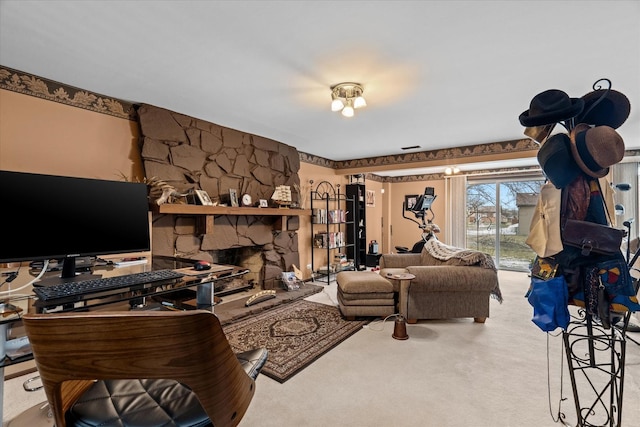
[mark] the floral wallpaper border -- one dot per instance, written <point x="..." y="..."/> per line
<point x="28" y="84"/>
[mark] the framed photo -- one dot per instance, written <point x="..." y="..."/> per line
<point x="264" y="203"/>
<point x="410" y="201"/>
<point x="233" y="197"/>
<point x="371" y="198"/>
<point x="204" y="198"/>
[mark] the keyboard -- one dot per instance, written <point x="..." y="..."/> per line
<point x="75" y="290"/>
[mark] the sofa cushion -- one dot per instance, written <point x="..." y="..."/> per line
<point x="348" y="299"/>
<point x="362" y="282"/>
<point x="443" y="278"/>
<point x="399" y="260"/>
<point x="369" y="296"/>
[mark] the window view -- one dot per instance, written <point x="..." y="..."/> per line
<point x="498" y="218"/>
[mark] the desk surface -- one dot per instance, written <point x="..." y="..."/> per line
<point x="119" y="299"/>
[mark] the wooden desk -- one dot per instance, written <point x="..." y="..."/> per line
<point x="119" y="299"/>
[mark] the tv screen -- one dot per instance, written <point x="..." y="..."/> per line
<point x="425" y="200"/>
<point x="57" y="217"/>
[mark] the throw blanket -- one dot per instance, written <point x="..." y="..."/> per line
<point x="443" y="252"/>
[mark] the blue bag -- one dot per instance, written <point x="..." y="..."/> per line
<point x="549" y="299"/>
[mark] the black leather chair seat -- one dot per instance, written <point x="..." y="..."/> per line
<point x="253" y="360"/>
<point x="145" y="402"/>
<point x="152" y="403"/>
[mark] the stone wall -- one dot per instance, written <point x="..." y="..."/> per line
<point x="189" y="153"/>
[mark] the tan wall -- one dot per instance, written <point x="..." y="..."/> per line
<point x="47" y="137"/>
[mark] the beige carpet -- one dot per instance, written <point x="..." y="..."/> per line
<point x="452" y="373"/>
<point x="295" y="334"/>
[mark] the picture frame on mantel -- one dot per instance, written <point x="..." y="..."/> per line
<point x="203" y="198"/>
<point x="233" y="197"/>
<point x="263" y="203"/>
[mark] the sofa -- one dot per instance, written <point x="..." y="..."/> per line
<point x="449" y="282"/>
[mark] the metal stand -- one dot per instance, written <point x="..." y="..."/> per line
<point x="596" y="359"/>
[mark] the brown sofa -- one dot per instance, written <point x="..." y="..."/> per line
<point x="450" y="282"/>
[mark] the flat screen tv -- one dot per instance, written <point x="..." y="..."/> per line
<point x="47" y="217"/>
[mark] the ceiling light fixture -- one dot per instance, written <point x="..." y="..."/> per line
<point x="347" y="97"/>
<point x="451" y="170"/>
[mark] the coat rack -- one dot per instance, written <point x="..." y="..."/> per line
<point x="596" y="359"/>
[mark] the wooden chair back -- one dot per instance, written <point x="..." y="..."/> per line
<point x="72" y="350"/>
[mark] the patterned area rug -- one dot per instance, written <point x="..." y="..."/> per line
<point x="295" y="334"/>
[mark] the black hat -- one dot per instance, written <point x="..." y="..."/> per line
<point x="595" y="149"/>
<point x="551" y="106"/>
<point x="557" y="162"/>
<point x="613" y="110"/>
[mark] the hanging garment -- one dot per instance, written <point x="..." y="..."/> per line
<point x="544" y="231"/>
<point x="616" y="278"/>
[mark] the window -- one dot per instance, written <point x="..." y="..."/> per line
<point x="498" y="217"/>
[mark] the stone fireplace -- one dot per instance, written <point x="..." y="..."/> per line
<point x="187" y="154"/>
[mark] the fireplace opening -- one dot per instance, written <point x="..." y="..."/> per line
<point x="249" y="258"/>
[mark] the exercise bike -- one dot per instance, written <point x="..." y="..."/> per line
<point x="419" y="210"/>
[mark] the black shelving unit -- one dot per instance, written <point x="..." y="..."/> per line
<point x="357" y="226"/>
<point x="328" y="221"/>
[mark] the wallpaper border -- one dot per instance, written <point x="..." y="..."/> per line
<point x="28" y="84"/>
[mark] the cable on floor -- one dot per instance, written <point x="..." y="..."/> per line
<point x="372" y="325"/>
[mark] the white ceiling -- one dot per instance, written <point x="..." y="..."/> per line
<point x="436" y="74"/>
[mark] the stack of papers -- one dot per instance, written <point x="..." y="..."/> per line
<point x="126" y="262"/>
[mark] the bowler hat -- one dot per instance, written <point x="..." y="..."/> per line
<point x="557" y="162"/>
<point x="551" y="106"/>
<point x="613" y="110"/>
<point x="596" y="148"/>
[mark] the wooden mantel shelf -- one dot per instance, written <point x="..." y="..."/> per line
<point x="228" y="210"/>
<point x="209" y="213"/>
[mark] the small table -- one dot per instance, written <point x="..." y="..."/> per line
<point x="372" y="260"/>
<point x="400" y="328"/>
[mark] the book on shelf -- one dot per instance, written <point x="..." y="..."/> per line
<point x="332" y="216"/>
<point x="319" y="216"/>
<point x="320" y="240"/>
<point x="329" y="240"/>
<point x="336" y="216"/>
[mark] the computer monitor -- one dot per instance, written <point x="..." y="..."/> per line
<point x="49" y="217"/>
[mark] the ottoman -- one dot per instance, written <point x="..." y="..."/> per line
<point x="364" y="293"/>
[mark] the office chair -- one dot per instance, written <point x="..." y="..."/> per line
<point x="141" y="368"/>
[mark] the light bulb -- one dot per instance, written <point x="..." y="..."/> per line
<point x="347" y="111"/>
<point x="448" y="171"/>
<point x="337" y="105"/>
<point x="359" y="102"/>
<point x="456" y="169"/>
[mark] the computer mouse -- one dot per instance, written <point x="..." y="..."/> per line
<point x="202" y="265"/>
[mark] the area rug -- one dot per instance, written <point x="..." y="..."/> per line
<point x="295" y="334"/>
